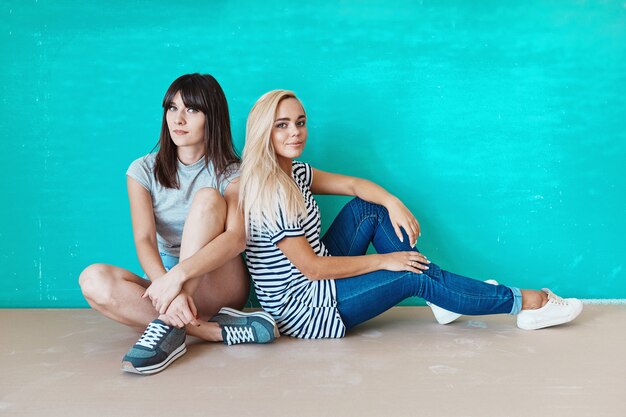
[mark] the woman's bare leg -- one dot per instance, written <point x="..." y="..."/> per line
<point x="227" y="286"/>
<point x="116" y="293"/>
<point x="533" y="299"/>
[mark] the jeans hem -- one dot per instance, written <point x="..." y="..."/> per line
<point x="517" y="301"/>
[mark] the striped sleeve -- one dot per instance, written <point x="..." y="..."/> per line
<point x="304" y="172"/>
<point x="284" y="227"/>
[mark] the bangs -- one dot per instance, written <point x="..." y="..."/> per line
<point x="192" y="92"/>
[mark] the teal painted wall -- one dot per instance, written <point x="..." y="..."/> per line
<point x="501" y="125"/>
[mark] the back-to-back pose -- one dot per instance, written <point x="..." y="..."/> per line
<point x="320" y="286"/>
<point x="189" y="237"/>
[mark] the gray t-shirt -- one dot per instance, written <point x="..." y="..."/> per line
<point x="171" y="205"/>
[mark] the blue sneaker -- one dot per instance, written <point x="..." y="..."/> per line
<point x="239" y="327"/>
<point x="158" y="346"/>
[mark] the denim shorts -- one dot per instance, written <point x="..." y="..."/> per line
<point x="169" y="262"/>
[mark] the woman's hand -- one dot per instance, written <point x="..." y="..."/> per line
<point x="182" y="311"/>
<point x="405" y="261"/>
<point x="402" y="218"/>
<point x="163" y="290"/>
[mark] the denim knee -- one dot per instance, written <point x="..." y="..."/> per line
<point x="360" y="206"/>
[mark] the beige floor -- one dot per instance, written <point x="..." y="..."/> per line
<point x="66" y="363"/>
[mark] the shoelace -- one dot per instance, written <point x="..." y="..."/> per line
<point x="554" y="298"/>
<point x="235" y="335"/>
<point x="154" y="332"/>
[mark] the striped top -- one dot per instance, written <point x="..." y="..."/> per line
<point x="301" y="307"/>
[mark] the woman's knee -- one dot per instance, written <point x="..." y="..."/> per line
<point x="362" y="204"/>
<point x="96" y="283"/>
<point x="210" y="201"/>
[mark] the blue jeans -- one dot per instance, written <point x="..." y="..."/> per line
<point x="363" y="297"/>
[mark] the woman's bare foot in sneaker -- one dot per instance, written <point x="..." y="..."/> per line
<point x="533" y="299"/>
<point x="544" y="309"/>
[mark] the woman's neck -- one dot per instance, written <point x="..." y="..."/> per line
<point x="190" y="154"/>
<point x="285" y="165"/>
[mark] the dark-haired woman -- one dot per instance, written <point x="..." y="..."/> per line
<point x="188" y="234"/>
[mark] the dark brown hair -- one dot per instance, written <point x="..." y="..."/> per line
<point x="201" y="92"/>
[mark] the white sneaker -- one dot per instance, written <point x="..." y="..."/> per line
<point x="444" y="316"/>
<point x="556" y="311"/>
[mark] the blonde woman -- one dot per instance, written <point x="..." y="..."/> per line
<point x="319" y="287"/>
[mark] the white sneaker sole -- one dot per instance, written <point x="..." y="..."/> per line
<point x="555" y="322"/>
<point x="442" y="315"/>
<point x="262" y="314"/>
<point x="153" y="369"/>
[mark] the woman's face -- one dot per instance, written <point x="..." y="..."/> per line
<point x="289" y="130"/>
<point x="186" y="124"/>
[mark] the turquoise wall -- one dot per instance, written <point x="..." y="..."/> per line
<point x="502" y="125"/>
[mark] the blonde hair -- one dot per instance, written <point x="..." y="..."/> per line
<point x="264" y="188"/>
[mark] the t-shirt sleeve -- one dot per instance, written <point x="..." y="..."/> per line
<point x="231" y="173"/>
<point x="304" y="172"/>
<point x="283" y="228"/>
<point x="308" y="175"/>
<point x="140" y="171"/>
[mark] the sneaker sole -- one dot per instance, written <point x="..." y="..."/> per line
<point x="550" y="323"/>
<point x="266" y="316"/>
<point x="153" y="369"/>
<point x="448" y="318"/>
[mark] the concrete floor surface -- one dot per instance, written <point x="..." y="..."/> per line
<point x="67" y="363"/>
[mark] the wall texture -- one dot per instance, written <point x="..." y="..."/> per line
<point x="501" y="125"/>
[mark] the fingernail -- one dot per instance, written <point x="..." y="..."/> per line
<point x="426" y="267"/>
